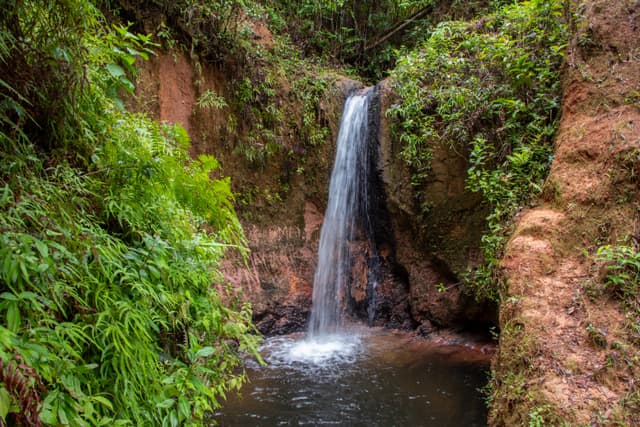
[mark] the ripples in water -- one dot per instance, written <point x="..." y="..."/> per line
<point x="359" y="379"/>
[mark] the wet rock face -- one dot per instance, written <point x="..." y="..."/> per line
<point x="401" y="263"/>
<point x="387" y="288"/>
<point x="277" y="277"/>
<point x="375" y="292"/>
<point x="282" y="319"/>
<point x="391" y="305"/>
<point x="429" y="252"/>
<point x="405" y="269"/>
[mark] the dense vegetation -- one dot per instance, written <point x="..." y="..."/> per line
<point x="363" y="35"/>
<point x="112" y="234"/>
<point x="110" y="239"/>
<point x="489" y="89"/>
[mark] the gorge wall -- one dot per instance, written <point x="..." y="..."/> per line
<point x="567" y="354"/>
<point x="564" y="352"/>
<point x="281" y="199"/>
<point x="436" y="250"/>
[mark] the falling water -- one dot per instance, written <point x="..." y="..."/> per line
<point x="392" y="381"/>
<point x="347" y="202"/>
<point x="341" y="374"/>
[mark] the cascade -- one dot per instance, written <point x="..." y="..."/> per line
<point x="347" y="374"/>
<point x="347" y="209"/>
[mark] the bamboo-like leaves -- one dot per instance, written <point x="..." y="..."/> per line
<point x="106" y="265"/>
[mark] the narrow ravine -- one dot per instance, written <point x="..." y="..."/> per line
<point x="341" y="372"/>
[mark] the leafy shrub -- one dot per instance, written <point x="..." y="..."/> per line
<point x="111" y="238"/>
<point x="279" y="100"/>
<point x="489" y="89"/>
<point x="621" y="270"/>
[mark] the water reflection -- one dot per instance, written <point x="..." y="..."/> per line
<point x="375" y="379"/>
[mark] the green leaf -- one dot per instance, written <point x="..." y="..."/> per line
<point x="104" y="401"/>
<point x="165" y="404"/>
<point x="25" y="272"/>
<point x="62" y="415"/>
<point x="13" y="317"/>
<point x="5" y="403"/>
<point x="8" y="296"/>
<point x="184" y="407"/>
<point x="47" y="416"/>
<point x="115" y="70"/>
<point x="42" y="248"/>
<point x="72" y="384"/>
<point x="205" y="352"/>
<point x="173" y="416"/>
<point x="127" y="84"/>
<point x="28" y="295"/>
<point x="133" y="52"/>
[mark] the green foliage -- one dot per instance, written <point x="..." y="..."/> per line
<point x="362" y="34"/>
<point x="279" y="100"/>
<point x="42" y="68"/>
<point x="490" y="89"/>
<point x="120" y="50"/>
<point x="338" y="30"/>
<point x="107" y="263"/>
<point x="310" y="90"/>
<point x="535" y="419"/>
<point x="210" y="99"/>
<point x="622" y="275"/>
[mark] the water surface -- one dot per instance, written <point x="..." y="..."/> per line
<point x="370" y="379"/>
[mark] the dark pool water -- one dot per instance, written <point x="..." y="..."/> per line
<point x="361" y="379"/>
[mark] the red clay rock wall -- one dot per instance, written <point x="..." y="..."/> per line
<point x="562" y="338"/>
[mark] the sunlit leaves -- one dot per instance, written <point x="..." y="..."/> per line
<point x="622" y="271"/>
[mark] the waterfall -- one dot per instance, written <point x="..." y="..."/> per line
<point x="346" y="207"/>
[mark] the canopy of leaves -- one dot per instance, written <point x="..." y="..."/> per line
<point x="363" y="34"/>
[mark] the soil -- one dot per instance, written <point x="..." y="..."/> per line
<point x="559" y="335"/>
<point x="177" y="96"/>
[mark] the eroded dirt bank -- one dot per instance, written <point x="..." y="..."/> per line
<point x="565" y="355"/>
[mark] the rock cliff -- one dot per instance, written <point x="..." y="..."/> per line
<point x="420" y="261"/>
